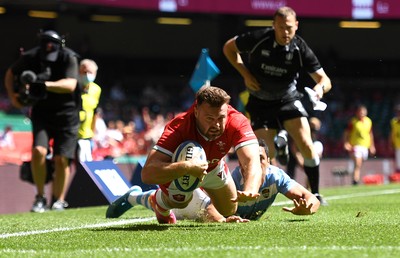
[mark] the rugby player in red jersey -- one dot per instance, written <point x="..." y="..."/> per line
<point x="217" y="127"/>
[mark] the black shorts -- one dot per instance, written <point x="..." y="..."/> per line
<point x="272" y="114"/>
<point x="65" y="139"/>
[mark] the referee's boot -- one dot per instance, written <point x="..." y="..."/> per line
<point x="282" y="147"/>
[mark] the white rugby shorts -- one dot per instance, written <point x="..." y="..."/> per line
<point x="360" y="152"/>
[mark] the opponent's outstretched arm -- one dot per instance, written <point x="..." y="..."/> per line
<point x="305" y="203"/>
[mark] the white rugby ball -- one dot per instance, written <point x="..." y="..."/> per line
<point x="186" y="151"/>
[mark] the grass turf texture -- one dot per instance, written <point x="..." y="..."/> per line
<point x="361" y="221"/>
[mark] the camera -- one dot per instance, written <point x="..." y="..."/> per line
<point x="32" y="87"/>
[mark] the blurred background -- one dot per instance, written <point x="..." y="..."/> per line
<point x="147" y="51"/>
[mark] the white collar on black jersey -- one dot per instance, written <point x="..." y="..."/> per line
<point x="287" y="47"/>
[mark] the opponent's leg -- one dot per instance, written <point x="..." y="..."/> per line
<point x="122" y="204"/>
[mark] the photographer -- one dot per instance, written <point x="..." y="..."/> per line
<point x="45" y="78"/>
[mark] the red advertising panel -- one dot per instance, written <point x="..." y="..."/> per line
<point x="356" y="9"/>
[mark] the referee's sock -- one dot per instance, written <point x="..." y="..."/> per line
<point x="313" y="178"/>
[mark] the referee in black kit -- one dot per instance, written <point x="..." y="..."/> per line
<point x="275" y="56"/>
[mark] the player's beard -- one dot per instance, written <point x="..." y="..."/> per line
<point x="214" y="133"/>
<point x="210" y="132"/>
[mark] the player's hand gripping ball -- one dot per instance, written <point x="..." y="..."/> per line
<point x="188" y="150"/>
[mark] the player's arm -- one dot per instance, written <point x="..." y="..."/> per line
<point x="94" y="120"/>
<point x="232" y="53"/>
<point x="66" y="85"/>
<point x="323" y="83"/>
<point x="69" y="82"/>
<point x="249" y="158"/>
<point x="305" y="203"/>
<point x="159" y="169"/>
<point x="372" y="149"/>
<point x="214" y="216"/>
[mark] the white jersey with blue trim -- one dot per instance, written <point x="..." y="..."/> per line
<point x="276" y="181"/>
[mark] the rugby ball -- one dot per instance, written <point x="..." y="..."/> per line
<point x="186" y="151"/>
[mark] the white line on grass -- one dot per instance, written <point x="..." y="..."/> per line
<point x="130" y="221"/>
<point x="261" y="248"/>
<point x="148" y="251"/>
<point x="100" y="225"/>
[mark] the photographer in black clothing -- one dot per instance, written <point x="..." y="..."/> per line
<point x="45" y="78"/>
<point x="275" y="57"/>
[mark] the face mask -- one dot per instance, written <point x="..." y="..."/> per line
<point x="49" y="50"/>
<point x="87" y="78"/>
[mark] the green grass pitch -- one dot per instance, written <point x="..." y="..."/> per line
<point x="362" y="221"/>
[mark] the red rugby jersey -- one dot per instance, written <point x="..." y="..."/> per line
<point x="238" y="133"/>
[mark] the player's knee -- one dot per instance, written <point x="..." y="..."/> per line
<point x="38" y="152"/>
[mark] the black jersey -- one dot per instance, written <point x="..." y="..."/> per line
<point x="57" y="109"/>
<point x="274" y="66"/>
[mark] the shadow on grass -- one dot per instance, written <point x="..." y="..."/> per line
<point x="297" y="220"/>
<point x="161" y="227"/>
<point x="152" y="227"/>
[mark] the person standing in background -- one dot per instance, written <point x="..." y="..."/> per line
<point x="275" y="56"/>
<point x="7" y="138"/>
<point x="88" y="115"/>
<point x="45" y="78"/>
<point x="358" y="140"/>
<point x="100" y="130"/>
<point x="394" y="140"/>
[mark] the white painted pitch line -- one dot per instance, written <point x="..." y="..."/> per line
<point x="207" y="249"/>
<point x="100" y="225"/>
<point x="130" y="221"/>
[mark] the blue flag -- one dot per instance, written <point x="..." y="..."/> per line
<point x="204" y="71"/>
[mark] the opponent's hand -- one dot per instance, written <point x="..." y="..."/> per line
<point x="236" y="219"/>
<point x="244" y="196"/>
<point x="300" y="207"/>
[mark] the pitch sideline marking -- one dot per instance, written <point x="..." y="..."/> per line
<point x="100" y="225"/>
<point x="207" y="249"/>
<point x="124" y="222"/>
